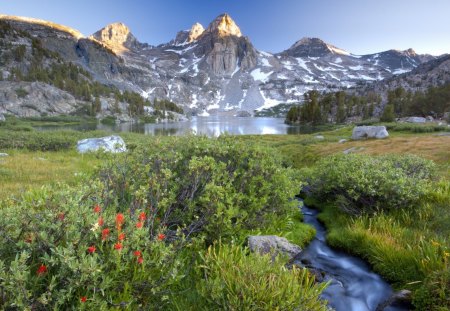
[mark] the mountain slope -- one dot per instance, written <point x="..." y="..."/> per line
<point x="215" y="69"/>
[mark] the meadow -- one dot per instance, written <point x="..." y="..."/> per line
<point x="197" y="199"/>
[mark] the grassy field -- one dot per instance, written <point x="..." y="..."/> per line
<point x="409" y="246"/>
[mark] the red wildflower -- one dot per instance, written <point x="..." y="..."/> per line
<point x="28" y="239"/>
<point x="120" y="219"/>
<point x="121" y="237"/>
<point x="91" y="249"/>
<point x="100" y="221"/>
<point x="83" y="299"/>
<point x="139" y="225"/>
<point x="142" y="216"/>
<point x="105" y="233"/>
<point x="97" y="209"/>
<point x="161" y="236"/>
<point x="140" y="260"/>
<point x="137" y="253"/>
<point x="158" y="219"/>
<point x="61" y="216"/>
<point x="41" y="270"/>
<point x="118" y="246"/>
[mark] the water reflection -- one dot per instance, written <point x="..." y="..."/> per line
<point x="209" y="126"/>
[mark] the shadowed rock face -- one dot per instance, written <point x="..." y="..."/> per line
<point x="225" y="47"/>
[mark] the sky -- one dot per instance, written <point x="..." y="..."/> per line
<point x="358" y="26"/>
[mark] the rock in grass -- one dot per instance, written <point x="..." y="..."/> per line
<point x="362" y="132"/>
<point x="2" y="154"/>
<point x="272" y="244"/>
<point x="114" y="144"/>
<point x="416" y="120"/>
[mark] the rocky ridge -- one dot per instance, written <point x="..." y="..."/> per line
<point x="217" y="69"/>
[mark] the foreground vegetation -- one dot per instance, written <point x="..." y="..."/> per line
<point x="163" y="226"/>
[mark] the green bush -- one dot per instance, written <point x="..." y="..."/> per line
<point x="166" y="201"/>
<point x="218" y="187"/>
<point x="361" y="183"/>
<point x="63" y="250"/>
<point x="235" y="280"/>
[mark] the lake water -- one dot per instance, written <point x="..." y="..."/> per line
<point x="209" y="126"/>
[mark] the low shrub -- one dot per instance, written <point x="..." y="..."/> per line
<point x="67" y="251"/>
<point x="217" y="187"/>
<point x="361" y="183"/>
<point x="236" y="280"/>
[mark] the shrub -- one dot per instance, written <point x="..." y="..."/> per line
<point x="217" y="187"/>
<point x="361" y="183"/>
<point x="235" y="280"/>
<point x="21" y="93"/>
<point x="66" y="247"/>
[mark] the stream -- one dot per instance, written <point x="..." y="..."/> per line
<point x="352" y="284"/>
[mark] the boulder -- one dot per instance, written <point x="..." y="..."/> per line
<point x="362" y="132"/>
<point x="2" y="118"/>
<point x="402" y="299"/>
<point x="416" y="120"/>
<point x="112" y="143"/>
<point x="272" y="244"/>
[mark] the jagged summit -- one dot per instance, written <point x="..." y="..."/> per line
<point x="195" y="32"/>
<point x="117" y="36"/>
<point x="224" y="25"/>
<point x="313" y="47"/>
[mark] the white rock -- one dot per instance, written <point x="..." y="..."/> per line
<point x="112" y="143"/>
<point x="416" y="120"/>
<point x="3" y="154"/>
<point x="362" y="132"/>
<point x="272" y="244"/>
<point x="319" y="137"/>
<point x="341" y="141"/>
<point x="2" y="118"/>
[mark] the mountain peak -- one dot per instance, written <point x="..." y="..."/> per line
<point x="313" y="47"/>
<point x="117" y="36"/>
<point x="195" y="32"/>
<point x="224" y="25"/>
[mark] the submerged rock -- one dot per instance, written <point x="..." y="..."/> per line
<point x="272" y="244"/>
<point x="362" y="132"/>
<point x="112" y="143"/>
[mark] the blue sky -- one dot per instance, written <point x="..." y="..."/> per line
<point x="361" y="27"/>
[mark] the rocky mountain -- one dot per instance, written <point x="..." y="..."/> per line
<point x="214" y="69"/>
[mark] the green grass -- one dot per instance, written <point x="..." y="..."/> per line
<point x="24" y="170"/>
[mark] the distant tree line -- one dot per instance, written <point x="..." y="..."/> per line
<point x="434" y="102"/>
<point x="336" y="107"/>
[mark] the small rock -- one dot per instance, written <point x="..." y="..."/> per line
<point x="362" y="132"/>
<point x="402" y="298"/>
<point x="416" y="120"/>
<point x="353" y="150"/>
<point x="3" y="154"/>
<point x="114" y="144"/>
<point x="272" y="244"/>
<point x="341" y="141"/>
<point x="319" y="137"/>
<point x="429" y="119"/>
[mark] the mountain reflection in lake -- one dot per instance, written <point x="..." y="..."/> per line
<point x="209" y="126"/>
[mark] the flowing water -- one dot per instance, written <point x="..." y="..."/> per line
<point x="353" y="286"/>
